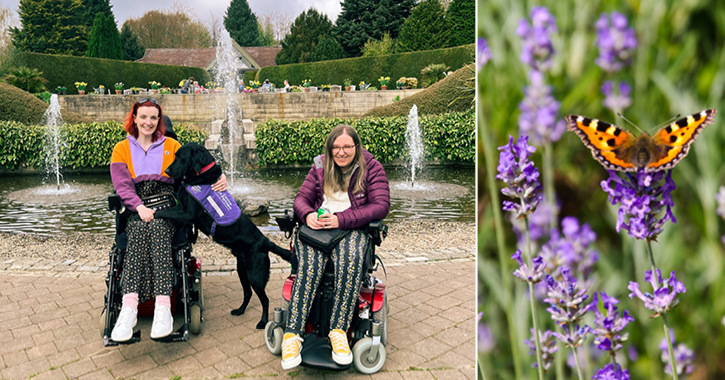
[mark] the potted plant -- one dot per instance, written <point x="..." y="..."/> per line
<point x="412" y="82"/>
<point x="347" y="83"/>
<point x="155" y="87"/>
<point x="164" y="90"/>
<point x="254" y="84"/>
<point x="400" y="83"/>
<point x="100" y="90"/>
<point x="134" y="90"/>
<point x="384" y="82"/>
<point x="61" y="90"/>
<point x="306" y="84"/>
<point x="81" y="86"/>
<point x="325" y="87"/>
<point x="119" y="88"/>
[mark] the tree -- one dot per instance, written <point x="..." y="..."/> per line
<point x="266" y="35"/>
<point x="94" y="7"/>
<point x="169" y="30"/>
<point x="241" y="23"/>
<point x="327" y="48"/>
<point x="374" y="48"/>
<point x="299" y="45"/>
<point x="7" y="21"/>
<point x="462" y="22"/>
<point x="425" y="29"/>
<point x="363" y="20"/>
<point x="215" y="28"/>
<point x="280" y="22"/>
<point x="51" y="27"/>
<point x="105" y="41"/>
<point x="30" y="80"/>
<point x="129" y="44"/>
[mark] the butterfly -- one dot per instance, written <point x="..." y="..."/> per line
<point x="617" y="149"/>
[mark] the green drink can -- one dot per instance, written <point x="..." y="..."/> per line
<point x="321" y="211"/>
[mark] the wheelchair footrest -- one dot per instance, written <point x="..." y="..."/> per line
<point x="317" y="353"/>
<point x="136" y="337"/>
<point x="182" y="334"/>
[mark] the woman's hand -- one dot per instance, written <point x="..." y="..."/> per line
<point x="145" y="213"/>
<point x="313" y="222"/>
<point x="221" y="184"/>
<point x="329" y="221"/>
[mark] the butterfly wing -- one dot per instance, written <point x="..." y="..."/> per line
<point x="609" y="144"/>
<point x="673" y="142"/>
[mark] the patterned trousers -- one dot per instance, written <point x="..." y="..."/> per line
<point x="348" y="258"/>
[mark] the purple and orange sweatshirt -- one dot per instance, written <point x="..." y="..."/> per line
<point x="130" y="164"/>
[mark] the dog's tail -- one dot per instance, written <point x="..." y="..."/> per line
<point x="285" y="254"/>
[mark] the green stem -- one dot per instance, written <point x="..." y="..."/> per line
<point x="480" y="368"/>
<point x="664" y="319"/>
<point x="506" y="273"/>
<point x="532" y="300"/>
<point x="578" y="366"/>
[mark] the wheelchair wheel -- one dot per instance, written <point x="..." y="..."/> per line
<point x="273" y="338"/>
<point x="103" y="321"/>
<point x="195" y="319"/>
<point x="360" y="356"/>
<point x="382" y="316"/>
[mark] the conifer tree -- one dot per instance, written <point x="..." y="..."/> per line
<point x="363" y="20"/>
<point x="241" y="23"/>
<point x="132" y="50"/>
<point x="93" y="7"/>
<point x="300" y="44"/>
<point x="327" y="48"/>
<point x="462" y="22"/>
<point x="105" y="41"/>
<point x="51" y="27"/>
<point x="425" y="29"/>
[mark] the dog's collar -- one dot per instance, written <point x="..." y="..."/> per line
<point x="205" y="168"/>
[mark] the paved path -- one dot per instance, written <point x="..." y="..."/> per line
<point x="50" y="326"/>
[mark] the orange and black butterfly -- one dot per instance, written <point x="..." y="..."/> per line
<point x="618" y="149"/>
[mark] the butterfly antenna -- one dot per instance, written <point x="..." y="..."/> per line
<point x="627" y="120"/>
<point x="666" y="122"/>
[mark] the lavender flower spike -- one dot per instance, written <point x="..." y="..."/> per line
<point x="611" y="372"/>
<point x="526" y="274"/>
<point x="538" y="112"/>
<point x="663" y="298"/>
<point x="566" y="299"/>
<point x="609" y="324"/>
<point x="616" y="102"/>
<point x="483" y="53"/>
<point x="520" y="176"/>
<point x="537" y="49"/>
<point x="616" y="42"/>
<point x="548" y="348"/>
<point x="684" y="356"/>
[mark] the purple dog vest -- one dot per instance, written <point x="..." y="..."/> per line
<point x="219" y="205"/>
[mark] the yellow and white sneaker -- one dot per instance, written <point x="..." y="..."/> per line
<point x="291" y="346"/>
<point x="340" y="348"/>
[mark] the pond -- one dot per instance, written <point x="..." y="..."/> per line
<point x="28" y="206"/>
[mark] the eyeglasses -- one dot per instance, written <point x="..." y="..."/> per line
<point x="144" y="100"/>
<point x="346" y="148"/>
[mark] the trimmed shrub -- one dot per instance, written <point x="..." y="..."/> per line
<point x="448" y="138"/>
<point x="63" y="70"/>
<point x="23" y="107"/>
<point x="451" y="94"/>
<point x="86" y="145"/>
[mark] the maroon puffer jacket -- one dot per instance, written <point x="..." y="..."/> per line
<point x="365" y="206"/>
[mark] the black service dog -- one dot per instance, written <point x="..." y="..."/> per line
<point x="195" y="165"/>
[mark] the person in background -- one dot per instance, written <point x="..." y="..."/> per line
<point x="287" y="87"/>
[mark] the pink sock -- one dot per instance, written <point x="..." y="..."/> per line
<point x="130" y="300"/>
<point x="163" y="301"/>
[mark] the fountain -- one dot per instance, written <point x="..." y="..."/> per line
<point x="226" y="75"/>
<point x="53" y="121"/>
<point x="414" y="143"/>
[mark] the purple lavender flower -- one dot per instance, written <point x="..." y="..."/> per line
<point x="483" y="53"/>
<point x="616" y="42"/>
<point x="566" y="299"/>
<point x="684" y="356"/>
<point x="521" y="177"/>
<point x="486" y="342"/>
<point x="642" y="198"/>
<point x="617" y="102"/>
<point x="570" y="251"/>
<point x="664" y="296"/>
<point x="573" y="336"/>
<point x="611" y="372"/>
<point x="609" y="324"/>
<point x="526" y="274"/>
<point x="548" y="348"/>
<point x="538" y="112"/>
<point x="537" y="49"/>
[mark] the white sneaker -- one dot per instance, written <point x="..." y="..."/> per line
<point x="163" y="322"/>
<point x="123" y="331"/>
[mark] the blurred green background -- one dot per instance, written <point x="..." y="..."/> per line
<point x="678" y="68"/>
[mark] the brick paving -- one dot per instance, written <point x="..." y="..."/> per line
<point x="50" y="314"/>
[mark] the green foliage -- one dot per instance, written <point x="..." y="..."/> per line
<point x="433" y="73"/>
<point x="327" y="48"/>
<point x="461" y="21"/>
<point x="383" y="46"/>
<point x="361" y="21"/>
<point x="30" y="80"/>
<point x="170" y="29"/>
<point x="51" y="27"/>
<point x="43" y="96"/>
<point x="241" y="23"/>
<point x="448" y="95"/>
<point x="22" y="107"/>
<point x="266" y="35"/>
<point x="132" y="50"/>
<point x="94" y="7"/>
<point x="299" y="45"/>
<point x="367" y="69"/>
<point x="425" y="29"/>
<point x="105" y="41"/>
<point x="65" y="71"/>
<point x="447" y="137"/>
<point x="22" y="146"/>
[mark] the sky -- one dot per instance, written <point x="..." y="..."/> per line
<point x="206" y="9"/>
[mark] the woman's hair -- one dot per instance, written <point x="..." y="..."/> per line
<point x="129" y="123"/>
<point x="334" y="178"/>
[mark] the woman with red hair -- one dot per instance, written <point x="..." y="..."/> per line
<point x="138" y="166"/>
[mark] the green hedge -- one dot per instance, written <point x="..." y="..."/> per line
<point x="64" y="70"/>
<point x="86" y="145"/>
<point x="24" y="107"/>
<point x="447" y="138"/>
<point x="367" y="69"/>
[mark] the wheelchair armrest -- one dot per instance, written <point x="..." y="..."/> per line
<point x="115" y="203"/>
<point x="286" y="222"/>
<point x="378" y="231"/>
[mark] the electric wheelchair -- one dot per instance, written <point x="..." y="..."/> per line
<point x="368" y="332"/>
<point x="187" y="291"/>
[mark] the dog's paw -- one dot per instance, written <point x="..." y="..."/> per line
<point x="262" y="324"/>
<point x="239" y="311"/>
